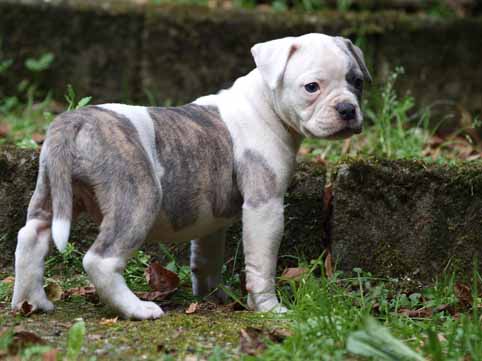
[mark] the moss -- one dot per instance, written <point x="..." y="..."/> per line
<point x="407" y="218"/>
<point x="175" y="333"/>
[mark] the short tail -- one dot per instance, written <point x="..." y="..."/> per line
<point x="59" y="156"/>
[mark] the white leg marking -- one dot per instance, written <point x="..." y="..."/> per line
<point x="262" y="231"/>
<point x="106" y="275"/>
<point x="60" y="233"/>
<point x="32" y="247"/>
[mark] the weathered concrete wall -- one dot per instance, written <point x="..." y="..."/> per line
<point x="392" y="218"/>
<point x="117" y="52"/>
<point x="407" y="218"/>
<point x="304" y="211"/>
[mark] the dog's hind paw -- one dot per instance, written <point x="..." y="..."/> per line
<point x="29" y="306"/>
<point x="144" y="310"/>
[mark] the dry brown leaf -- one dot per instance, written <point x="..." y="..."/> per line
<point x="26" y="309"/>
<point x="4" y="129"/>
<point x="54" y="291"/>
<point x="463" y="294"/>
<point x="108" y="321"/>
<point x="192" y="308"/>
<point x="50" y="355"/>
<point x="328" y="264"/>
<point x="88" y="292"/>
<point x="250" y="341"/>
<point x="155" y="295"/>
<point x="160" y="278"/>
<point x="423" y="312"/>
<point x="9" y="279"/>
<point x="295" y="273"/>
<point x="23" y="339"/>
<point x="279" y="334"/>
<point x="445" y="307"/>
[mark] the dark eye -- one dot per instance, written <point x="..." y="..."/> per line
<point x="312" y="87"/>
<point x="358" y="84"/>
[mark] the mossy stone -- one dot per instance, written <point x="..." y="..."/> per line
<point x="407" y="218"/>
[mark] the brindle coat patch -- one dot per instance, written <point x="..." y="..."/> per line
<point x="196" y="153"/>
<point x="256" y="178"/>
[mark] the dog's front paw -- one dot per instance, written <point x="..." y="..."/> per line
<point x="144" y="310"/>
<point x="264" y="303"/>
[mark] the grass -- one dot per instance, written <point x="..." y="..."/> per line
<point x="357" y="317"/>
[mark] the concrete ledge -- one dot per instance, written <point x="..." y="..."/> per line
<point x="407" y="218"/>
<point x="119" y="51"/>
<point x="392" y="218"/>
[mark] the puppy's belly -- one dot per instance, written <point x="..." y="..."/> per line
<point x="205" y="224"/>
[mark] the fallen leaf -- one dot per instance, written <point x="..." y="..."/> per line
<point x="54" y="291"/>
<point x="23" y="339"/>
<point x="50" y="355"/>
<point x="9" y="279"/>
<point x="328" y="264"/>
<point x="108" y="321"/>
<point x="38" y="138"/>
<point x="155" y="295"/>
<point x="26" y="309"/>
<point x="463" y="294"/>
<point x="295" y="273"/>
<point x="279" y="334"/>
<point x="4" y="129"/>
<point x="160" y="278"/>
<point x="250" y="341"/>
<point x="192" y="308"/>
<point x="423" y="312"/>
<point x="445" y="307"/>
<point x="88" y="292"/>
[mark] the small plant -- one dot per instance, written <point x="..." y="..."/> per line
<point x="70" y="97"/>
<point x="394" y="133"/>
<point x="75" y="340"/>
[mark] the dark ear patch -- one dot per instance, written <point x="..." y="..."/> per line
<point x="357" y="54"/>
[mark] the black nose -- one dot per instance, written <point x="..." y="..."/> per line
<point x="347" y="111"/>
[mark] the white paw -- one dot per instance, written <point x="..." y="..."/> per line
<point x="38" y="303"/>
<point x="144" y="310"/>
<point x="261" y="303"/>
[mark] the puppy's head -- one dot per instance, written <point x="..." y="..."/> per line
<point x="316" y="82"/>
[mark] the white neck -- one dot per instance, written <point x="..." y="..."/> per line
<point x="249" y="104"/>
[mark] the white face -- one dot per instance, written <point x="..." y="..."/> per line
<point x="320" y="86"/>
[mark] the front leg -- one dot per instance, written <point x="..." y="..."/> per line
<point x="262" y="231"/>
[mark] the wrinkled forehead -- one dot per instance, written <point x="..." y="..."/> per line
<point x="319" y="54"/>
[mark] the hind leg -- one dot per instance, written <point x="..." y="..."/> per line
<point x="207" y="258"/>
<point x="32" y="247"/>
<point x="122" y="231"/>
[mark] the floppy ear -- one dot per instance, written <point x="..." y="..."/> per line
<point x="357" y="54"/>
<point x="272" y="57"/>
